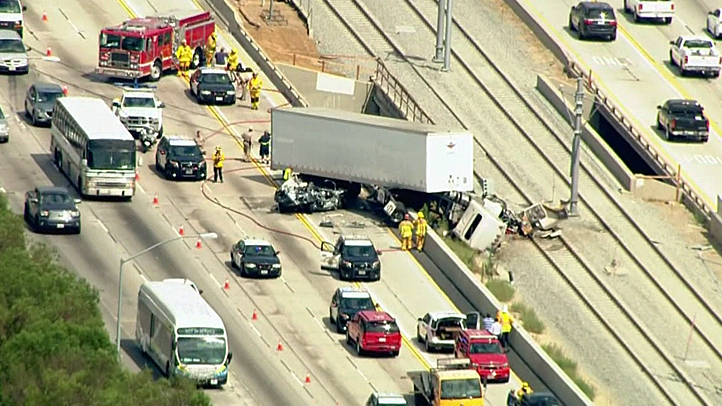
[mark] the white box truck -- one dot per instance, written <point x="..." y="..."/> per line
<point x="385" y="154"/>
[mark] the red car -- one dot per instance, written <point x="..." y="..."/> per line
<point x="372" y="331"/>
<point x="485" y="353"/>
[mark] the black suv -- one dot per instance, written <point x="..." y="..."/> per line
<point x="684" y="120"/>
<point x="345" y="303"/>
<point x="180" y="158"/>
<point x="213" y="86"/>
<point x="592" y="19"/>
<point x="353" y="256"/>
<point x="256" y="258"/>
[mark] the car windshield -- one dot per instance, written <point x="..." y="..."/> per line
<point x="359" y="251"/>
<point x="10" y="6"/>
<point x="485" y="348"/>
<point x="12" y="46"/>
<point x="360" y="303"/>
<point x="698" y="44"/>
<point x="215" y="78"/>
<point x="110" y="41"/>
<point x="461" y="389"/>
<point x="147" y="102"/>
<point x="55" y="199"/>
<point x="49" y="97"/>
<point x="600" y="13"/>
<point x="187" y="151"/>
<point x="381" y="327"/>
<point x="201" y="350"/>
<point x="259" y="250"/>
<point x="111" y="154"/>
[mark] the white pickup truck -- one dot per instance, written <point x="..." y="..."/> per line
<point x="650" y="10"/>
<point x="714" y="23"/>
<point x="695" y="54"/>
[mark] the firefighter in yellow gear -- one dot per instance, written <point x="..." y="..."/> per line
<point x="218" y="159"/>
<point x="421" y="228"/>
<point x="254" y="87"/>
<point x="524" y="390"/>
<point x="232" y="60"/>
<point x="210" y="48"/>
<point x="406" y="229"/>
<point x="184" y="55"/>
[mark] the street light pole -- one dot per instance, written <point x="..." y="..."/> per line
<point x="210" y="236"/>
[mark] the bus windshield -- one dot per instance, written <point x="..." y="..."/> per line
<point x="111" y="154"/>
<point x="201" y="350"/>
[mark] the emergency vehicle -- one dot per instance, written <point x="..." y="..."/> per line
<point x="145" y="47"/>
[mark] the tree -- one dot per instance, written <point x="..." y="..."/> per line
<point x="54" y="348"/>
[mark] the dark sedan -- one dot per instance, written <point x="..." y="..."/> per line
<point x="52" y="208"/>
<point x="213" y="86"/>
<point x="256" y="258"/>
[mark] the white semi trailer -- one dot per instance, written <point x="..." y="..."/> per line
<point x="389" y="156"/>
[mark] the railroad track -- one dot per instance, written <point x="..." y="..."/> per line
<point x="649" y="264"/>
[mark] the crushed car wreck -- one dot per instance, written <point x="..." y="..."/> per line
<point x="298" y="196"/>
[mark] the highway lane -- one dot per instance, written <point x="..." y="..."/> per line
<point x="272" y="384"/>
<point x="634" y="71"/>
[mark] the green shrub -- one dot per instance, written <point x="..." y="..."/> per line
<point x="54" y="348"/>
<point x="529" y="318"/>
<point x="463" y="251"/>
<point x="501" y="289"/>
<point x="569" y="366"/>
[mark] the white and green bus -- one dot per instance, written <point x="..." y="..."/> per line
<point x="92" y="148"/>
<point x="181" y="333"/>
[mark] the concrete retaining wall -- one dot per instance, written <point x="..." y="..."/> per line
<point x="524" y="345"/>
<point x="308" y="84"/>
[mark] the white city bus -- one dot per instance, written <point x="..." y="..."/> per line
<point x="181" y="333"/>
<point x="92" y="148"/>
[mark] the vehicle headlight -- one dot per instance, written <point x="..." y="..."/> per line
<point x="205" y="92"/>
<point x="174" y="163"/>
<point x="377" y="264"/>
<point x="250" y="265"/>
<point x="505" y="365"/>
<point x="44" y="213"/>
<point x="346" y="264"/>
<point x="345" y="316"/>
<point x="75" y="213"/>
<point x="4" y="128"/>
<point x="276" y="265"/>
<point x="231" y="92"/>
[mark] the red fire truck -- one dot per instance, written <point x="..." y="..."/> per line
<point x="143" y="47"/>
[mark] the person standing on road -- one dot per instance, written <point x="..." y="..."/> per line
<point x="406" y="229"/>
<point x="254" y="87"/>
<point x="200" y="141"/>
<point x="488" y="321"/>
<point x="221" y="57"/>
<point x="265" y="147"/>
<point x="210" y="48"/>
<point x="421" y="228"/>
<point x="218" y="159"/>
<point x="495" y="329"/>
<point x="247" y="138"/>
<point x="184" y="55"/>
<point x="506" y="321"/>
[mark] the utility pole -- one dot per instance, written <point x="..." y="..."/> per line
<point x="576" y="146"/>
<point x="447" y="40"/>
<point x="440" y="30"/>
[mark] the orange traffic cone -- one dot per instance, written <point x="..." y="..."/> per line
<point x="155" y="199"/>
<point x="181" y="231"/>
<point x="280" y="345"/>
<point x="45" y="16"/>
<point x="48" y="52"/>
<point x="198" y="244"/>
<point x="255" y="315"/>
<point x="308" y="377"/>
<point x="227" y="285"/>
<point x="65" y="89"/>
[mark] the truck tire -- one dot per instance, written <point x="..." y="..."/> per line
<point x="659" y="125"/>
<point x="156" y="71"/>
<point x="419" y="399"/>
<point x="671" y="60"/>
<point x="571" y="26"/>
<point x="626" y="7"/>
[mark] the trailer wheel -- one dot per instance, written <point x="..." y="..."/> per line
<point x="197" y="58"/>
<point x="156" y="71"/>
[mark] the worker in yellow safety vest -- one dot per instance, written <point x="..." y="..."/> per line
<point x="406" y="229"/>
<point x="506" y="322"/>
<point x="184" y="55"/>
<point x="421" y="227"/>
<point x="210" y="48"/>
<point x="254" y="87"/>
<point x="218" y="159"/>
<point x="524" y="390"/>
<point x="287" y="173"/>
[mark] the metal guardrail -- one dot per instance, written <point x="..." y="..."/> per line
<point x="671" y="170"/>
<point x="398" y="94"/>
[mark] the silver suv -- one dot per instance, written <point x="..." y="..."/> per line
<point x="13" y="53"/>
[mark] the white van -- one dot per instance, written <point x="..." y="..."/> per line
<point x="11" y="15"/>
